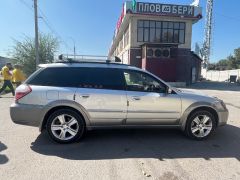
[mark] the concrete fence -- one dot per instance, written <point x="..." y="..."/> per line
<point x="220" y="76"/>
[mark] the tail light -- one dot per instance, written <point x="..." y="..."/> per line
<point x="22" y="91"/>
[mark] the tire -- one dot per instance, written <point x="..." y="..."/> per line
<point x="202" y="130"/>
<point x="65" y="126"/>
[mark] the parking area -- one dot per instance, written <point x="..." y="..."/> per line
<point x="124" y="154"/>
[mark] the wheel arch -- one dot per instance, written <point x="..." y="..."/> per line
<point x="192" y="110"/>
<point x="71" y="106"/>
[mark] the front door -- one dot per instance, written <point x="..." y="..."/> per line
<point x="148" y="102"/>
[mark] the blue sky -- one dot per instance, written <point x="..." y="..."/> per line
<point x="92" y="23"/>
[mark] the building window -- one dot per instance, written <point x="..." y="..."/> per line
<point x="121" y="45"/>
<point x="126" y="37"/>
<point x="161" y="31"/>
<point x="140" y="31"/>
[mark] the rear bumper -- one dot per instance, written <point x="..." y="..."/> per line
<point x="30" y="115"/>
<point x="223" y="117"/>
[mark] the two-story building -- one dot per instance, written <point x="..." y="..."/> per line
<point x="158" y="37"/>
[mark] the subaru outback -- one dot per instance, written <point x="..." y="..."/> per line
<point x="68" y="99"/>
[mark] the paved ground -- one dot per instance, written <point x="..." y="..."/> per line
<point x="125" y="154"/>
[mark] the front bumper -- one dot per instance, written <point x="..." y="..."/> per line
<point x="30" y="115"/>
<point x="223" y="117"/>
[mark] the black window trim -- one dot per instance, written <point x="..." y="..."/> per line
<point x="123" y="88"/>
<point x="142" y="72"/>
<point x="161" y="37"/>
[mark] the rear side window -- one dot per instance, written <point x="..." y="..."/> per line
<point x="98" y="78"/>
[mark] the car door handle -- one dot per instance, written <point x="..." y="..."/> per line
<point x="84" y="96"/>
<point x="136" y="98"/>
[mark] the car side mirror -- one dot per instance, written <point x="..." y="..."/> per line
<point x="169" y="90"/>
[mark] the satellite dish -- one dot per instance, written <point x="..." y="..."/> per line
<point x="195" y="3"/>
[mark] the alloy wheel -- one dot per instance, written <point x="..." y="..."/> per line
<point x="201" y="126"/>
<point x="64" y="127"/>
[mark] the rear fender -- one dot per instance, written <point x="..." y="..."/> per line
<point x="66" y="103"/>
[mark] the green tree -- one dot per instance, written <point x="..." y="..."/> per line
<point x="231" y="62"/>
<point x="237" y="57"/>
<point x="222" y="64"/>
<point x="23" y="52"/>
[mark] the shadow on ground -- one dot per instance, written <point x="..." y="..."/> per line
<point x="3" y="158"/>
<point x="221" y="86"/>
<point x="160" y="144"/>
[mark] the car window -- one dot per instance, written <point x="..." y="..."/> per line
<point x="97" y="78"/>
<point x="102" y="78"/>
<point x="139" y="81"/>
<point x="59" y="77"/>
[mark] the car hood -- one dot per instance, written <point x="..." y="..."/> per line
<point x="200" y="96"/>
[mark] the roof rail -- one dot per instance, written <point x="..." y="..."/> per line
<point x="66" y="58"/>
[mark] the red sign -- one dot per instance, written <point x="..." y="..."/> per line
<point x="120" y="20"/>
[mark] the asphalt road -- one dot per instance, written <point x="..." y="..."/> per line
<point x="122" y="154"/>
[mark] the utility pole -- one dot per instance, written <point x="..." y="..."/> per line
<point x="36" y="32"/>
<point x="74" y="51"/>
<point x="207" y="45"/>
<point x="74" y="47"/>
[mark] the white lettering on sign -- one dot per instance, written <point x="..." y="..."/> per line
<point x="185" y="9"/>
<point x="166" y="9"/>
<point x="190" y="10"/>
<point x="174" y="10"/>
<point x="152" y="8"/>
<point x="146" y="8"/>
<point x="140" y="7"/>
<point x="180" y="9"/>
<point x="158" y="8"/>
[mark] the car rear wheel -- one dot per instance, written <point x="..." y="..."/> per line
<point x="65" y="126"/>
<point x="200" y="125"/>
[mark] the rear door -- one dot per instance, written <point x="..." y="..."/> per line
<point x="101" y="91"/>
<point x="149" y="104"/>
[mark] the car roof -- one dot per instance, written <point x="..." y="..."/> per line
<point x="89" y="64"/>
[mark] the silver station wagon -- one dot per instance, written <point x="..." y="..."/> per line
<point x="69" y="98"/>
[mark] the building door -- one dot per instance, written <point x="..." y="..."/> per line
<point x="194" y="75"/>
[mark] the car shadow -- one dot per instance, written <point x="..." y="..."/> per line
<point x="155" y="143"/>
<point x="3" y="158"/>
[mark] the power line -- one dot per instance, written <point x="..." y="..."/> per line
<point x="45" y="21"/>
<point x="49" y="25"/>
<point x="27" y="5"/>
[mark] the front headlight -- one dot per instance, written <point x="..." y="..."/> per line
<point x="220" y="105"/>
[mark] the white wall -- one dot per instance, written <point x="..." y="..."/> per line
<point x="220" y="76"/>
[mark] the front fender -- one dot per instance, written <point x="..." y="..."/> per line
<point x="191" y="108"/>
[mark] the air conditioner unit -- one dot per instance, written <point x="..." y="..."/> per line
<point x="162" y="53"/>
<point x="150" y="52"/>
<point x="166" y="52"/>
<point x="159" y="52"/>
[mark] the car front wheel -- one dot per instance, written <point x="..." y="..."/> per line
<point x="65" y="126"/>
<point x="200" y="125"/>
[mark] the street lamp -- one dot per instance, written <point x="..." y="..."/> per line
<point x="74" y="47"/>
